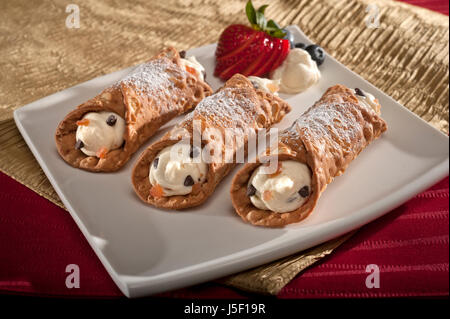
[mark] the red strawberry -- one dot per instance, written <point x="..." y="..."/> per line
<point x="255" y="50"/>
<point x="268" y="63"/>
<point x="284" y="51"/>
<point x="232" y="37"/>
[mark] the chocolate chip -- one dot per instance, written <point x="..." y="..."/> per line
<point x="359" y="92"/>
<point x="194" y="152"/>
<point x="255" y="84"/>
<point x="304" y="191"/>
<point x="204" y="74"/>
<point x="251" y="190"/>
<point x="111" y="120"/>
<point x="189" y="181"/>
<point x="79" y="144"/>
<point x="182" y="54"/>
<point x="155" y="162"/>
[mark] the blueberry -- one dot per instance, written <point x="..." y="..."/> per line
<point x="251" y="190"/>
<point x="289" y="36"/>
<point x="300" y="45"/>
<point x="359" y="92"/>
<point x="189" y="181"/>
<point x="316" y="53"/>
<point x="155" y="162"/>
<point x="111" y="120"/>
<point x="304" y="191"/>
<point x="79" y="144"/>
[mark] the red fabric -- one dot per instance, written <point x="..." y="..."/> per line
<point x="435" y="5"/>
<point x="409" y="245"/>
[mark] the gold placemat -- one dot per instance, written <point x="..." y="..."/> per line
<point x="406" y="57"/>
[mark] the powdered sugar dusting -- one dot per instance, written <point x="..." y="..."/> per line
<point x="225" y="110"/>
<point x="153" y="78"/>
<point x="328" y="125"/>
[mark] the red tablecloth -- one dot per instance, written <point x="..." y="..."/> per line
<point x="410" y="247"/>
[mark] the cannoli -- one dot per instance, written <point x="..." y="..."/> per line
<point x="318" y="146"/>
<point x="101" y="134"/>
<point x="164" y="179"/>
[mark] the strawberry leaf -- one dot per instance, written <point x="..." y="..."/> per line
<point x="261" y="20"/>
<point x="274" y="29"/>
<point x="251" y="13"/>
<point x="273" y="24"/>
<point x="278" y="34"/>
<point x="263" y="8"/>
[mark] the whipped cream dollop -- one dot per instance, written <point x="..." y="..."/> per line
<point x="297" y="73"/>
<point x="99" y="132"/>
<point x="268" y="85"/>
<point x="177" y="168"/>
<point x="194" y="67"/>
<point x="367" y="99"/>
<point x="283" y="191"/>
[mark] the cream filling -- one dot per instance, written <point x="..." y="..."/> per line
<point x="176" y="171"/>
<point x="368" y="100"/>
<point x="268" y="85"/>
<point x="98" y="134"/>
<point x="195" y="65"/>
<point x="283" y="191"/>
<point x="297" y="73"/>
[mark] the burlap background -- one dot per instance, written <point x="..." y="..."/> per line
<point x="407" y="57"/>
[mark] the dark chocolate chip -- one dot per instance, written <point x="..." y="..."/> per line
<point x="255" y="84"/>
<point x="251" y="190"/>
<point x="194" y="152"/>
<point x="304" y="192"/>
<point x="155" y="162"/>
<point x="182" y="54"/>
<point x="111" y="120"/>
<point x="359" y="92"/>
<point x="189" y="181"/>
<point x="79" y="144"/>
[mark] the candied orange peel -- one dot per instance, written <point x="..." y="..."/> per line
<point x="101" y="153"/>
<point x="83" y="122"/>
<point x="157" y="191"/>
<point x="273" y="88"/>
<point x="267" y="195"/>
<point x="191" y="70"/>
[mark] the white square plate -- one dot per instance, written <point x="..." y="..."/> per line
<point x="147" y="250"/>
